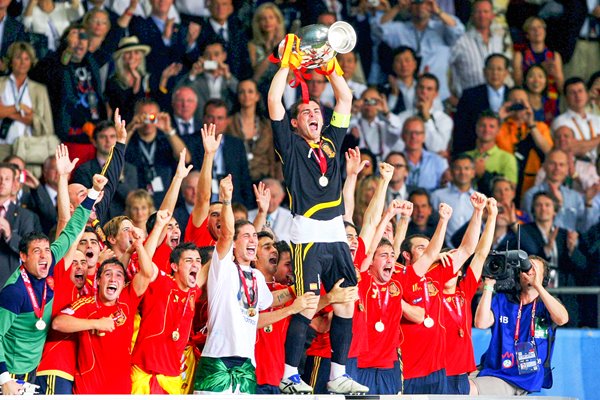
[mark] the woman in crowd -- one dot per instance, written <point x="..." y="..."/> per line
<point x="130" y="82"/>
<point x="594" y="90"/>
<point x="364" y="193"/>
<point x="25" y="106"/>
<point x="544" y="108"/>
<point x="267" y="31"/>
<point x="254" y="129"/>
<point x="51" y="18"/>
<point x="138" y="207"/>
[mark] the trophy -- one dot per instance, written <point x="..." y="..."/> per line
<point x="318" y="44"/>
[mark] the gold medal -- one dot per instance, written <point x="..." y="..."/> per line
<point x="428" y="322"/>
<point x="268" y="328"/>
<point x="251" y="312"/>
<point x="461" y="333"/>
<point x="175" y="336"/>
<point x="361" y="307"/>
<point x="379" y="326"/>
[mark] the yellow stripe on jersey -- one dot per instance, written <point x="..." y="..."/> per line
<point x="340" y="120"/>
<point x="308" y="246"/>
<point x="81" y="302"/>
<point x="321" y="206"/>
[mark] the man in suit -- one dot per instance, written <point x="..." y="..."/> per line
<point x="43" y="198"/>
<point x="230" y="157"/>
<point x="188" y="195"/>
<point x="474" y="101"/>
<point x="211" y="78"/>
<point x="11" y="31"/>
<point x="14" y="223"/>
<point x="279" y="219"/>
<point x="122" y="176"/>
<point x="398" y="189"/>
<point x="224" y="25"/>
<point x="170" y="43"/>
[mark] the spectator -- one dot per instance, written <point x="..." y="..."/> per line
<point x="348" y="63"/>
<point x="593" y="87"/>
<point x="211" y="78"/>
<point x="491" y="161"/>
<point x="401" y="86"/>
<point x="470" y="50"/>
<point x="521" y="135"/>
<point x="505" y="191"/>
<point x="423" y="222"/>
<point x="438" y="125"/>
<point x="375" y="128"/>
<point x="458" y="194"/>
<point x="12" y="31"/>
<point x="582" y="174"/>
<point x="153" y="148"/>
<point x="184" y="103"/>
<point x="537" y="53"/>
<point x="110" y="148"/>
<point x="489" y="96"/>
<point x="431" y="38"/>
<point x="572" y="212"/>
<point x="51" y="18"/>
<point x="543" y="103"/>
<point x="398" y="189"/>
<point x="279" y="219"/>
<point x="316" y="86"/>
<point x="425" y="168"/>
<point x="250" y="125"/>
<point x="130" y="81"/>
<point x="43" y="199"/>
<point x="583" y="31"/>
<point x="364" y="193"/>
<point x="268" y="29"/>
<point x="284" y="273"/>
<point x="585" y="125"/>
<point x="188" y="196"/>
<point x="138" y="208"/>
<point x="26" y="106"/>
<point x="89" y="5"/>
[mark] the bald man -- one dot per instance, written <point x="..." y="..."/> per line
<point x="279" y="219"/>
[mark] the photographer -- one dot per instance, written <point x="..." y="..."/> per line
<point x="522" y="326"/>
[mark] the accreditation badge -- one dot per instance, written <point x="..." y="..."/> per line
<point x="527" y="361"/>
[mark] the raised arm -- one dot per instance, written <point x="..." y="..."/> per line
<point x="342" y="93"/>
<point x="211" y="143"/>
<point x="177" y="144"/>
<point x="484" y="317"/>
<point x="148" y="271"/>
<point x="274" y="99"/>
<point x="406" y="211"/>
<point x="64" y="167"/>
<point x="263" y="198"/>
<point x="437" y="241"/>
<point x="485" y="242"/>
<point x="182" y="171"/>
<point x="225" y="240"/>
<point x="353" y="168"/>
<point x="375" y="209"/>
<point x="391" y="212"/>
<point x="158" y="232"/>
<point x="469" y="242"/>
<point x="558" y="312"/>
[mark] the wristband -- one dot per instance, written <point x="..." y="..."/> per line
<point x="226" y="202"/>
<point x="488" y="288"/>
<point x="172" y="132"/>
<point x="93" y="194"/>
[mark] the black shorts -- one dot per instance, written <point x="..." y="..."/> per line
<point x="322" y="263"/>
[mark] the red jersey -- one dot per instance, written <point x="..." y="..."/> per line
<point x="321" y="344"/>
<point x="459" y="349"/>
<point x="423" y="348"/>
<point x="162" y="256"/>
<point x="270" y="346"/>
<point x="104" y="362"/>
<point x="383" y="310"/>
<point x="167" y="313"/>
<point x="360" y="255"/>
<point x="59" y="354"/>
<point x="199" y="235"/>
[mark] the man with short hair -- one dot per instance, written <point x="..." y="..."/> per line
<point x="397" y="188"/>
<point x="425" y="167"/>
<point x="438" y="125"/>
<point x="279" y="219"/>
<point x="26" y="300"/>
<point x="423" y="221"/>
<point x="586" y="126"/>
<point x="316" y="86"/>
<point x="188" y="199"/>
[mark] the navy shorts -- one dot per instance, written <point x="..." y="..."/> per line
<point x="53" y="384"/>
<point x="458" y="384"/>
<point x="381" y="380"/>
<point x="434" y="383"/>
<point x="267" y="389"/>
<point x="316" y="373"/>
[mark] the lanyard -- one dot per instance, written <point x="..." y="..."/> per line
<point x="532" y="328"/>
<point x="458" y="315"/>
<point x="251" y="301"/>
<point x="148" y="154"/>
<point x="37" y="310"/>
<point x="426" y="295"/>
<point x="382" y="307"/>
<point x="581" y="136"/>
<point x="419" y="39"/>
<point x="18" y="94"/>
<point x="321" y="159"/>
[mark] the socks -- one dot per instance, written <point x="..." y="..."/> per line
<point x="336" y="371"/>
<point x="294" y="342"/>
<point x="341" y="337"/>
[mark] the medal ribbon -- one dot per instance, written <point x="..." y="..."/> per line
<point x="187" y="300"/>
<point x="251" y="303"/>
<point x="458" y="315"/>
<point x="321" y="159"/>
<point x="382" y="307"/>
<point x="37" y="310"/>
<point x="426" y="295"/>
<point x="518" y="325"/>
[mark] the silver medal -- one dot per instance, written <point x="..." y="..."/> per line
<point x="428" y="322"/>
<point x="379" y="326"/>
<point x="323" y="181"/>
<point x="40" y="325"/>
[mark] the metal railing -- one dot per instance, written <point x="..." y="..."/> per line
<point x="580" y="290"/>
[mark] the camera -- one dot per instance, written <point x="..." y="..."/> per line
<point x="210" y="65"/>
<point x="150" y="119"/>
<point x="504" y="267"/>
<point x="516" y="107"/>
<point x="371" y="102"/>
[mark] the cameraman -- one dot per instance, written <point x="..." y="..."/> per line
<point x="521" y="327"/>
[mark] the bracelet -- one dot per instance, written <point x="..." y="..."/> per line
<point x="226" y="202"/>
<point x="171" y="133"/>
<point x="488" y="288"/>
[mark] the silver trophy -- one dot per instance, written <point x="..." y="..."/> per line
<point x="320" y="43"/>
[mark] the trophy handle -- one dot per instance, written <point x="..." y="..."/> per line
<point x="341" y="37"/>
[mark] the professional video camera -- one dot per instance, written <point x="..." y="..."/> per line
<point x="504" y="267"/>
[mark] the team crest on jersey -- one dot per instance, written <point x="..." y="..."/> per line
<point x="431" y="289"/>
<point x="119" y="317"/>
<point x="50" y="282"/>
<point x="394" y="289"/>
<point x="328" y="149"/>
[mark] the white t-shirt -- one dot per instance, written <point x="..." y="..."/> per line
<point x="231" y="331"/>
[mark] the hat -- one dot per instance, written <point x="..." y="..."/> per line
<point x="130" y="43"/>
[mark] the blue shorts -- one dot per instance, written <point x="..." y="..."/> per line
<point x="434" y="383"/>
<point x="458" y="384"/>
<point x="53" y="384"/>
<point x="267" y="389"/>
<point x="381" y="380"/>
<point x="316" y="373"/>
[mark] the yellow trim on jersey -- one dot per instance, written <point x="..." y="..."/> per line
<point x="340" y="120"/>
<point x="289" y="196"/>
<point x="279" y="155"/>
<point x="321" y="206"/>
<point x="308" y="246"/>
<point x="81" y="302"/>
<point x="140" y="382"/>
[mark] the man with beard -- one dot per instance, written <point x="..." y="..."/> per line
<point x="167" y="311"/>
<point x="26" y="300"/>
<point x="105" y="321"/>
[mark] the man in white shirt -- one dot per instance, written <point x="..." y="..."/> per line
<point x="438" y="125"/>
<point x="586" y="126"/>
<point x="348" y="65"/>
